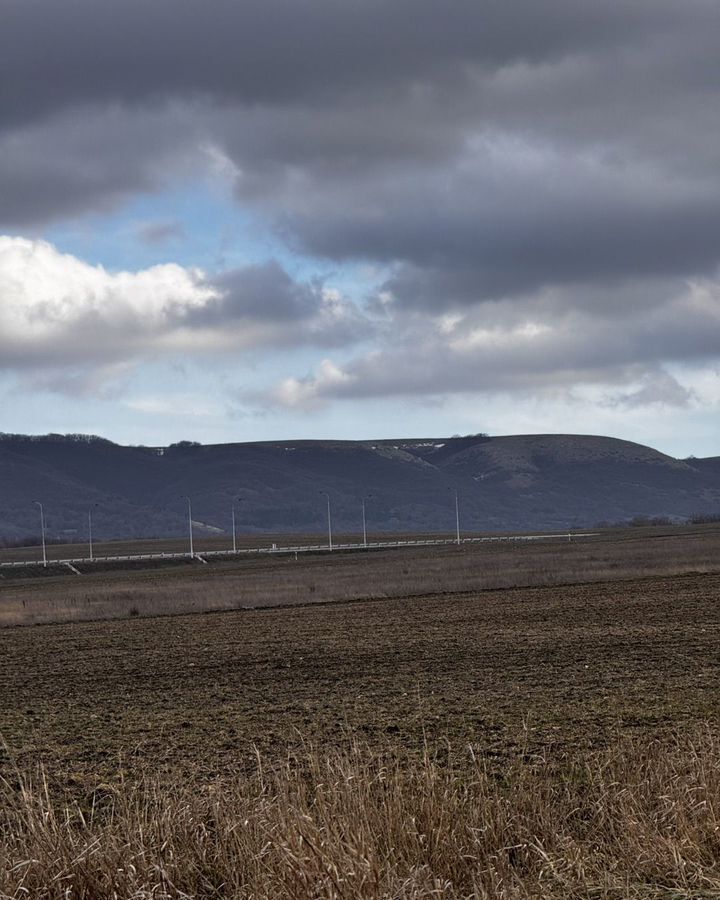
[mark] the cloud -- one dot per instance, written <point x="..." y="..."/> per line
<point x="265" y="302"/>
<point x="659" y="388"/>
<point x="57" y="309"/>
<point x="536" y="348"/>
<point x="505" y="140"/>
<point x="268" y="288"/>
<point x="627" y="76"/>
<point x="72" y="325"/>
<point x="91" y="160"/>
<point x="176" y="403"/>
<point x="512" y="219"/>
<point x="321" y="47"/>
<point x="309" y="393"/>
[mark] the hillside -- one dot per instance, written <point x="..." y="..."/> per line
<point x="516" y="482"/>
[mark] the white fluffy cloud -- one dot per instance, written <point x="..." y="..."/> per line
<point x="57" y="309"/>
<point x="62" y="314"/>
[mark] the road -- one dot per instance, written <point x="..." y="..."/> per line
<point x="275" y="549"/>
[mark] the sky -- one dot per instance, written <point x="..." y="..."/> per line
<point x="238" y="220"/>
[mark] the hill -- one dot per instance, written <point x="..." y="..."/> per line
<point x="504" y="483"/>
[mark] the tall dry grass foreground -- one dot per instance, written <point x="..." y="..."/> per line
<point x="640" y="822"/>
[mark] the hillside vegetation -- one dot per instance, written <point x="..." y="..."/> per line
<point x="504" y="483"/>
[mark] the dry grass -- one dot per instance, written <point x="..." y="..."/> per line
<point x="278" y="581"/>
<point x="640" y="821"/>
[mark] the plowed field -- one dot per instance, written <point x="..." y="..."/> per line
<point x="554" y="669"/>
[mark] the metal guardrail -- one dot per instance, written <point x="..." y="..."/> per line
<point x="313" y="548"/>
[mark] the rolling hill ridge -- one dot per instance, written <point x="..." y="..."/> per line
<point x="504" y="483"/>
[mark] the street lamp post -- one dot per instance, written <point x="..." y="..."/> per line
<point x="363" y="499"/>
<point x="42" y="530"/>
<point x="90" y="534"/>
<point x="234" y="533"/>
<point x="330" y="542"/>
<point x="457" y="518"/>
<point x="190" y="528"/>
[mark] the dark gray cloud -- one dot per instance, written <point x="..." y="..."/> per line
<point x="503" y="229"/>
<point x="267" y="51"/>
<point x="295" y="312"/>
<point x="261" y="291"/>
<point x="88" y="161"/>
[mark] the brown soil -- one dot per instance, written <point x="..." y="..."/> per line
<point x="514" y="672"/>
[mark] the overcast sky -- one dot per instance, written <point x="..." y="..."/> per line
<point x="255" y="219"/>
